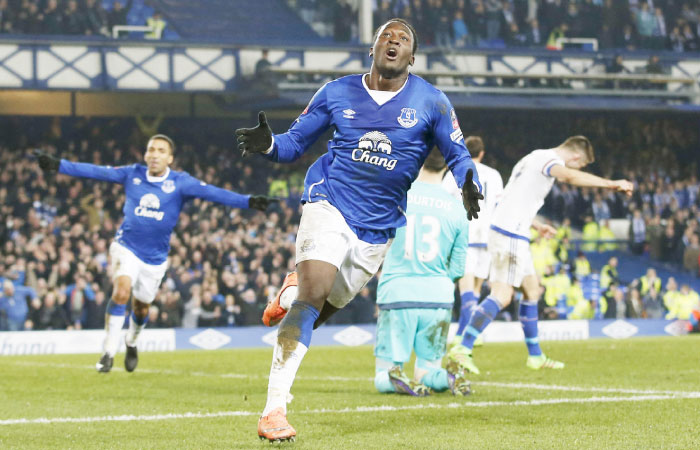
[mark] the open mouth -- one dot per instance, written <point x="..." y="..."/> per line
<point x="392" y="54"/>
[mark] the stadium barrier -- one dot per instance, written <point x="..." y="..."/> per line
<point x="90" y="341"/>
<point x="41" y="63"/>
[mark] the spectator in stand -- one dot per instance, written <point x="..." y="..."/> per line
<point x="477" y="22"/>
<point x="343" y="18"/>
<point x="49" y="315"/>
<point x="660" y="32"/>
<point x="442" y="24"/>
<point x="676" y="40"/>
<point x="637" y="232"/>
<point x="31" y="18"/>
<point x="14" y="305"/>
<point x="74" y="20"/>
<point x="628" y="39"/>
<point x="557" y="33"/>
<point x="7" y="18"/>
<point x="634" y="305"/>
<point x="691" y="254"/>
<point x="646" y="23"/>
<point x="653" y="305"/>
<point x="96" y="19"/>
<point x="117" y="16"/>
<point x="533" y="35"/>
<point x="685" y="302"/>
<point x="211" y="311"/>
<point x="460" y="30"/>
<point x="77" y="297"/>
<point x="690" y="40"/>
<point x="53" y="20"/>
<point x="157" y="25"/>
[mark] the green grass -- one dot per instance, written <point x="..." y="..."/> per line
<point x="52" y="387"/>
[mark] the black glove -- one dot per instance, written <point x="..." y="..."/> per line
<point x="260" y="202"/>
<point x="255" y="140"/>
<point x="471" y="196"/>
<point x="48" y="163"/>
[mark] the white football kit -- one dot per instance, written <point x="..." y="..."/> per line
<point x="478" y="258"/>
<point x="523" y="196"/>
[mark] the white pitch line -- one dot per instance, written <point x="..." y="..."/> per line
<point x="360" y="409"/>
<point x="553" y="387"/>
<point x="511" y="385"/>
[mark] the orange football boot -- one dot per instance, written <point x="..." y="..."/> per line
<point x="274" y="312"/>
<point x="275" y="428"/>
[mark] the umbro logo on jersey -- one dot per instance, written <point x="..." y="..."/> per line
<point x="408" y="117"/>
<point x="349" y="113"/>
<point x="137" y="181"/>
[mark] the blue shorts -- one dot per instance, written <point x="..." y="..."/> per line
<point x="399" y="331"/>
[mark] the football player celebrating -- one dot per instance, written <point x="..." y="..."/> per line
<point x="386" y="122"/>
<point x="155" y="195"/>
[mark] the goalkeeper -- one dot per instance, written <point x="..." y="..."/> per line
<point x="416" y="289"/>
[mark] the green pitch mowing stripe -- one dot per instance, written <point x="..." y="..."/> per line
<point x="638" y="393"/>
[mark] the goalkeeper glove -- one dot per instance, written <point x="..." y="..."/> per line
<point x="257" y="139"/>
<point x="48" y="163"/>
<point x="471" y="196"/>
<point x="260" y="202"/>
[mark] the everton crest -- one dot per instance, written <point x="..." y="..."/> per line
<point x="408" y="117"/>
<point x="168" y="186"/>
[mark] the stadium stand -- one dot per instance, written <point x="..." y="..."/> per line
<point x="227" y="263"/>
<point x="589" y="25"/>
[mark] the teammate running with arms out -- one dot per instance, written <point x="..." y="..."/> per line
<point x="155" y="196"/>
<point x="509" y="243"/>
<point x="416" y="289"/>
<point x="385" y="124"/>
<point x="478" y="259"/>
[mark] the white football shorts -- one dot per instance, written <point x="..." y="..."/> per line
<point x="325" y="236"/>
<point x="145" y="278"/>
<point x="478" y="262"/>
<point x="511" y="260"/>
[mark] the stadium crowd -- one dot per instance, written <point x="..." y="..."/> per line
<point x="633" y="24"/>
<point x="225" y="263"/>
<point x="61" y="17"/>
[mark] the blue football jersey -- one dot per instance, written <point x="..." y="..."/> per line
<point x="428" y="254"/>
<point x="376" y="150"/>
<point x="153" y="204"/>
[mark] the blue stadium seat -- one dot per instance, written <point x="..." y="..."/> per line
<point x="258" y="21"/>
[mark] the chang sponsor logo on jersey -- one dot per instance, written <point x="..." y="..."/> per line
<point x="370" y="148"/>
<point x="148" y="207"/>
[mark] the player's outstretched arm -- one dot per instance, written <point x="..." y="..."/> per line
<point x="257" y="139"/>
<point x="194" y="188"/>
<point x="584" y="179"/>
<point x="471" y="196"/>
<point x="289" y="146"/>
<point x="50" y="164"/>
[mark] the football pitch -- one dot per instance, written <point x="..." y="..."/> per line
<point x="636" y="393"/>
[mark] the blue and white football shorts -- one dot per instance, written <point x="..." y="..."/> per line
<point x="325" y="236"/>
<point x="145" y="278"/>
<point x="400" y="331"/>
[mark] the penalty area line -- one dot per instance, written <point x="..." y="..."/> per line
<point x="355" y="410"/>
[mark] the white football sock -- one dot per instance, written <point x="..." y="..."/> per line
<point x="288" y="297"/>
<point x="113" y="330"/>
<point x="133" y="332"/>
<point x="285" y="363"/>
